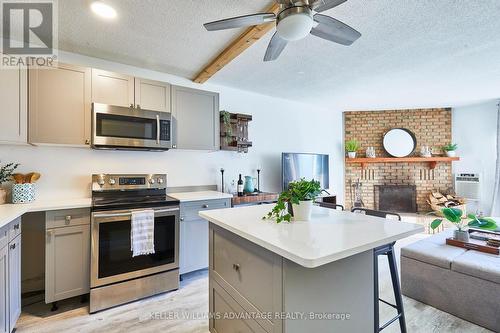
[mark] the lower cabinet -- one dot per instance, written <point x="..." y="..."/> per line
<point x="67" y="255"/>
<point x="194" y="234"/>
<point x="14" y="281"/>
<point x="4" y="282"/>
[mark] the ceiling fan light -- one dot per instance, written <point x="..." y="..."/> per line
<point x="295" y="27"/>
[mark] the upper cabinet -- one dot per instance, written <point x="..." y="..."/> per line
<point x="195" y="119"/>
<point x="60" y="105"/>
<point x="112" y="88"/>
<point x="123" y="90"/>
<point x="13" y="94"/>
<point x="152" y="95"/>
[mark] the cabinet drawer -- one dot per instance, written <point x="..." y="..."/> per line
<point x="67" y="217"/>
<point x="4" y="235"/>
<point x="228" y="313"/>
<point x="252" y="272"/>
<point x="190" y="210"/>
<point x="14" y="229"/>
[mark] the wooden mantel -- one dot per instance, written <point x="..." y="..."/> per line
<point x="432" y="161"/>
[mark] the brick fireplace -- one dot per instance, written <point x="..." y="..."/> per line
<point x="432" y="127"/>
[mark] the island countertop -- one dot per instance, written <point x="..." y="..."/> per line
<point x="331" y="235"/>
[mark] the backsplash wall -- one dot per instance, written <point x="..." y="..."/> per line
<point x="432" y="127"/>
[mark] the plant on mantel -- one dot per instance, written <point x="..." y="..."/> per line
<point x="450" y="149"/>
<point x="351" y="146"/>
<point x="298" y="191"/>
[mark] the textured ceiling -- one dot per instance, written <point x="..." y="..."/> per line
<point x="412" y="53"/>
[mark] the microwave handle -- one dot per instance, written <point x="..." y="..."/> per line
<point x="157" y="129"/>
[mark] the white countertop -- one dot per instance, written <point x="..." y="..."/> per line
<point x="10" y="212"/>
<point x="331" y="235"/>
<point x="200" y="195"/>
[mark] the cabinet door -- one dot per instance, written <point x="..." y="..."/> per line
<point x="13" y="94"/>
<point x="4" y="297"/>
<point x="67" y="262"/>
<point x="152" y="95"/>
<point x="112" y="88"/>
<point x="193" y="245"/>
<point x="14" y="281"/>
<point x="196" y="119"/>
<point x="60" y="105"/>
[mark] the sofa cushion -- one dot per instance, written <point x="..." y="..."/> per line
<point x="481" y="265"/>
<point x="432" y="253"/>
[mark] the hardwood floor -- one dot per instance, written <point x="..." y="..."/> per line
<point x="165" y="313"/>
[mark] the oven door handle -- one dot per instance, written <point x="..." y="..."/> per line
<point x="158" y="129"/>
<point x="101" y="216"/>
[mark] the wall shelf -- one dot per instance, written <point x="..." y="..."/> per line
<point x="432" y="161"/>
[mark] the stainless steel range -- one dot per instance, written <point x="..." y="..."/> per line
<point x="117" y="277"/>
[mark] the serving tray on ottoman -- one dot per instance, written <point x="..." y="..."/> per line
<point x="474" y="244"/>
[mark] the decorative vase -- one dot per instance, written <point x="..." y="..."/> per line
<point x="461" y="235"/>
<point x="451" y="153"/>
<point x="425" y="151"/>
<point x="249" y="186"/>
<point x="351" y="154"/>
<point x="23" y="193"/>
<point x="3" y="196"/>
<point x="370" y="152"/>
<point x="302" y="211"/>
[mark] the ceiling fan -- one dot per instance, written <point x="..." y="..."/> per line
<point x="295" y="20"/>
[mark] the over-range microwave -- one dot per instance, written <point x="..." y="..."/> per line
<point x="122" y="128"/>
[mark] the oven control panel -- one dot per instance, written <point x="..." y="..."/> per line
<point x="117" y="182"/>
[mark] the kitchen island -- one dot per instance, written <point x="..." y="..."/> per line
<point x="315" y="276"/>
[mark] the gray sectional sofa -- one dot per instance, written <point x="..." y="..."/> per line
<point x="465" y="283"/>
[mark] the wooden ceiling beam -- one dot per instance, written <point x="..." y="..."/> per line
<point x="237" y="47"/>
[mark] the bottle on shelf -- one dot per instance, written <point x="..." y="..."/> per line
<point x="240" y="186"/>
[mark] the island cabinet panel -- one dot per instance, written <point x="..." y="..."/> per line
<point x="13" y="94"/>
<point x="195" y="115"/>
<point x="4" y="289"/>
<point x="60" y="105"/>
<point x="250" y="274"/>
<point x="112" y="88"/>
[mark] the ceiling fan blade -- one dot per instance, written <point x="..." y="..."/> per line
<point x="322" y="5"/>
<point x="334" y="30"/>
<point x="275" y="47"/>
<point x="240" y="21"/>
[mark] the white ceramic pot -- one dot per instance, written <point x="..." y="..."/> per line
<point x="451" y="153"/>
<point x="302" y="211"/>
<point x="461" y="235"/>
<point x="3" y="196"/>
<point x="351" y="154"/>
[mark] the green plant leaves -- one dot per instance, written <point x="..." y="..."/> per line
<point x="483" y="223"/>
<point x="436" y="223"/>
<point x="452" y="214"/>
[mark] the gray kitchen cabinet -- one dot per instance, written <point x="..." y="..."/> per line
<point x="14" y="97"/>
<point x="193" y="254"/>
<point x="152" y="95"/>
<point x="14" y="281"/>
<point x="60" y="105"/>
<point x="4" y="289"/>
<point x="195" y="116"/>
<point x="67" y="262"/>
<point x="112" y="88"/>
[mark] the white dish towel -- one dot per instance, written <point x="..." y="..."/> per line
<point x="142" y="233"/>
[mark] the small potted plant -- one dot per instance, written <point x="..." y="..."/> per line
<point x="301" y="195"/>
<point x="454" y="215"/>
<point x="351" y="146"/>
<point x="6" y="175"/>
<point x="450" y="149"/>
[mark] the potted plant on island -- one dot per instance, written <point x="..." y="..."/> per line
<point x="450" y="149"/>
<point x="351" y="146"/>
<point x="6" y="175"/>
<point x="301" y="195"/>
<point x="454" y="215"/>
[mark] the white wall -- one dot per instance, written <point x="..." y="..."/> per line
<point x="475" y="130"/>
<point x="279" y="125"/>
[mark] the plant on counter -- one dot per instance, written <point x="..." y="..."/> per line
<point x="300" y="195"/>
<point x="351" y="146"/>
<point x="7" y="171"/>
<point x="454" y="215"/>
<point x="450" y="149"/>
<point x="226" y="121"/>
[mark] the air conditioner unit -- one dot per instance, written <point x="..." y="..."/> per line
<point x="468" y="185"/>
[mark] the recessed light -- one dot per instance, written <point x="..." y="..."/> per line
<point x="103" y="10"/>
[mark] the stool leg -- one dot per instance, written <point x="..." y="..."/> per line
<point x="397" y="289"/>
<point x="376" y="315"/>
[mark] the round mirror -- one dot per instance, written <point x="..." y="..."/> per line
<point x="400" y="142"/>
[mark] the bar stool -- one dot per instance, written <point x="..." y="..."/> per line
<point x="388" y="251"/>
<point x="330" y="205"/>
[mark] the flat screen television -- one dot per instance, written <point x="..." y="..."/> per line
<point x="295" y="166"/>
